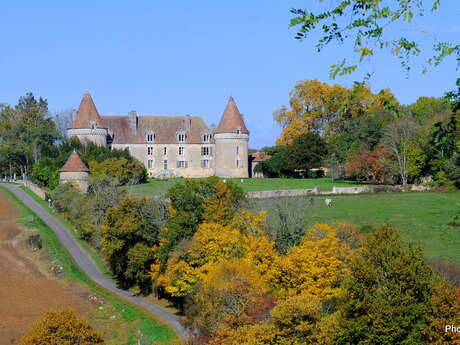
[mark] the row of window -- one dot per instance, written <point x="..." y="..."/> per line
<point x="181" y="137"/>
<point x="205" y="151"/>
<point x="205" y="163"/>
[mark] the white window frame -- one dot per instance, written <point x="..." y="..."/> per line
<point x="206" y="151"/>
<point x="150" y="163"/>
<point x="205" y="164"/>
<point x="150" y="151"/>
<point x="165" y="150"/>
<point x="150" y="137"/>
<point x="181" y="164"/>
<point x="181" y="137"/>
<point x="165" y="164"/>
<point x="239" y="163"/>
<point x="181" y="151"/>
<point x="206" y="138"/>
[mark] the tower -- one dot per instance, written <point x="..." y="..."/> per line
<point x="87" y="125"/>
<point x="231" y="143"/>
<point x="74" y="171"/>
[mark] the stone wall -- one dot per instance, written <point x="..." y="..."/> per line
<point x="336" y="190"/>
<point x="36" y="189"/>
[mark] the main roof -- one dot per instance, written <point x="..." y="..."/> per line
<point x="231" y="120"/>
<point x="74" y="164"/>
<point x="165" y="129"/>
<point x="128" y="130"/>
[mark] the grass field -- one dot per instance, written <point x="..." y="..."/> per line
<point x="129" y="321"/>
<point x="160" y="187"/>
<point x="421" y="217"/>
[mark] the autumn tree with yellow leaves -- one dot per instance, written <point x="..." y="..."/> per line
<point x="318" y="106"/>
<point x="61" y="328"/>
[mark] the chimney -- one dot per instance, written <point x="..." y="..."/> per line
<point x="133" y="121"/>
<point x="188" y="123"/>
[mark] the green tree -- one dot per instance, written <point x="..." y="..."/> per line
<point x="306" y="152"/>
<point x="26" y="133"/>
<point x="75" y="206"/>
<point x="61" y="328"/>
<point x="194" y="202"/>
<point x="128" y="233"/>
<point x="387" y="295"/>
<point x="367" y="25"/>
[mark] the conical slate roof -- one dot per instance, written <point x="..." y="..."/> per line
<point x="74" y="164"/>
<point x="87" y="114"/>
<point x="231" y="120"/>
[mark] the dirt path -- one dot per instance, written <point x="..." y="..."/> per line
<point x="25" y="293"/>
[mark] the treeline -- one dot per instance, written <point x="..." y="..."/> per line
<point x="360" y="135"/>
<point x="240" y="280"/>
<point x="33" y="145"/>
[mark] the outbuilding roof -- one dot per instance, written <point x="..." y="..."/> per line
<point x="74" y="164"/>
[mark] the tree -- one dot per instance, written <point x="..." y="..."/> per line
<point x="104" y="192"/>
<point x="75" y="206"/>
<point x="26" y="133"/>
<point x="370" y="166"/>
<point x="128" y="233"/>
<point x="367" y="24"/>
<point x="312" y="104"/>
<point x="226" y="296"/>
<point x="399" y="138"/>
<point x="387" y="293"/>
<point x="194" y="202"/>
<point x="126" y="171"/>
<point x="306" y="152"/>
<point x="61" y="328"/>
<point x="314" y="267"/>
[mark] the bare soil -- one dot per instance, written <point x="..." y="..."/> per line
<point x="26" y="289"/>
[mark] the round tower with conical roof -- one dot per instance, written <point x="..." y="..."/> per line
<point x="74" y="171"/>
<point x="88" y="125"/>
<point x="231" y="143"/>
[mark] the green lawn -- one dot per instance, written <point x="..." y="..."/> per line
<point x="131" y="321"/>
<point x="421" y="217"/>
<point x="160" y="187"/>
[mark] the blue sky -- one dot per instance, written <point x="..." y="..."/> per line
<point x="188" y="57"/>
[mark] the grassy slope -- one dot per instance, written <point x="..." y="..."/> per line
<point x="130" y="322"/>
<point x="90" y="250"/>
<point x="159" y="187"/>
<point x="421" y="217"/>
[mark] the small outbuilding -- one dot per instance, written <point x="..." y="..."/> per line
<point x="75" y="171"/>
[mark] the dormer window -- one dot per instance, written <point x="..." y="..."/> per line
<point x="93" y="125"/>
<point x="238" y="130"/>
<point x="150" y="136"/>
<point x="181" y="137"/>
<point x="206" y="137"/>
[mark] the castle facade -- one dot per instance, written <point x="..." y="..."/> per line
<point x="170" y="146"/>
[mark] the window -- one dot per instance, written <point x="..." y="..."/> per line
<point x="150" y="137"/>
<point x="150" y="164"/>
<point x="239" y="163"/>
<point x="165" y="164"/>
<point x="238" y="149"/>
<point x="150" y="150"/>
<point x="206" y="151"/>
<point x="93" y="125"/>
<point x="182" y="164"/>
<point x="238" y="130"/>
<point x="181" y="150"/>
<point x="165" y="150"/>
<point x="181" y="137"/>
<point x="206" y="137"/>
<point x="205" y="163"/>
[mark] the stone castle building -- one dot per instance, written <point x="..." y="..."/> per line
<point x="170" y="145"/>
